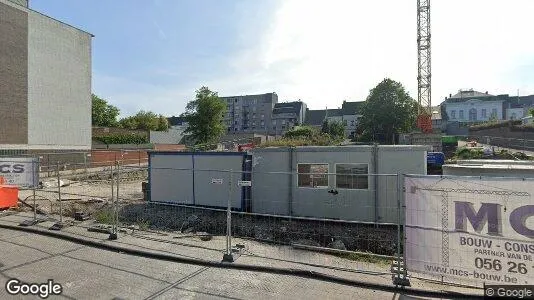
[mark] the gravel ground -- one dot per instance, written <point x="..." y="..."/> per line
<point x="93" y="197"/>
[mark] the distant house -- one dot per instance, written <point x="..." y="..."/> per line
<point x="469" y="106"/>
<point x="349" y="114"/>
<point x="287" y="115"/>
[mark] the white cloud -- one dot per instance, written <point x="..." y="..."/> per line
<point x="327" y="51"/>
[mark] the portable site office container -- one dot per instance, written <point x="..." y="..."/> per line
<point x="288" y="181"/>
<point x="199" y="178"/>
<point x="373" y="200"/>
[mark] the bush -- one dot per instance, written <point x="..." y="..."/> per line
<point x="123" y="139"/>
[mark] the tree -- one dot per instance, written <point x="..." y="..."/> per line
<point x="388" y="110"/>
<point x="205" y="116"/>
<point x="163" y="123"/>
<point x="103" y="113"/>
<point x="145" y="120"/>
<point x="531" y="112"/>
<point x="324" y="127"/>
<point x="336" y="130"/>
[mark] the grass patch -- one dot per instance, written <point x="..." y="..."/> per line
<point x="104" y="216"/>
<point x="143" y="224"/>
<point x="364" y="257"/>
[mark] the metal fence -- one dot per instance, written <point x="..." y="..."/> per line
<point x="344" y="222"/>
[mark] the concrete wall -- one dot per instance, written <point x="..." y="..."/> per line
<point x="503" y="133"/>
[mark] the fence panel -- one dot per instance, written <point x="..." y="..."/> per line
<point x="470" y="229"/>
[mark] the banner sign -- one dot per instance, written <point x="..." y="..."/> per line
<point x="466" y="228"/>
<point x="20" y="171"/>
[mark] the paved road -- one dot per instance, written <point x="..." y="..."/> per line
<point x="90" y="273"/>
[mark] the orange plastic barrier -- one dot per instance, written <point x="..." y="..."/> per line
<point x="9" y="196"/>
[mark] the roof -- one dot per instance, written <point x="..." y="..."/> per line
<point x="25" y="6"/>
<point x="436" y="113"/>
<point x="521" y="102"/>
<point x="351" y="108"/>
<point x="287" y="107"/>
<point x="470" y="93"/>
<point x="316" y="117"/>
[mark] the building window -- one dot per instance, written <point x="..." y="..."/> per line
<point x="484" y="115"/>
<point x="262" y="123"/>
<point x="461" y="115"/>
<point x="312" y="175"/>
<point x="274" y="122"/>
<point x="472" y="114"/>
<point x="348" y="176"/>
<point x="352" y="123"/>
<point x="453" y="114"/>
<point x="262" y="116"/>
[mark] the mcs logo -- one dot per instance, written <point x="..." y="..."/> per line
<point x="11" y="168"/>
<point x="490" y="213"/>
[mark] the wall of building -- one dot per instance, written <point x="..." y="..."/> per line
<point x="46" y="88"/>
<point x="13" y="74"/>
<point x="259" y="108"/>
<point x="454" y="110"/>
<point x="59" y="84"/>
<point x="515" y="113"/>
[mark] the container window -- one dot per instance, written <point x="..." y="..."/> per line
<point x="313" y="175"/>
<point x="348" y="176"/>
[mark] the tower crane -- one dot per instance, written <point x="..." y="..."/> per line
<point x="424" y="74"/>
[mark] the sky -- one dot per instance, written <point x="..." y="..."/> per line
<point x="154" y="54"/>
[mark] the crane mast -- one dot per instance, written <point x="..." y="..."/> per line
<point x="424" y="119"/>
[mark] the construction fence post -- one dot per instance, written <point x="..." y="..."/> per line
<point x="34" y="186"/>
<point x="59" y="195"/>
<point x="114" y="200"/>
<point x="400" y="278"/>
<point x="228" y="257"/>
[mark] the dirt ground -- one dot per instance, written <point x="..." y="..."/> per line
<point x="87" y="196"/>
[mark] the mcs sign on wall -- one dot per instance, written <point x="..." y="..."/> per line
<point x="19" y="171"/>
<point x="471" y="229"/>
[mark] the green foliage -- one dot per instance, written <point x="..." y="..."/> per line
<point x="336" y="130"/>
<point x="205" y="116"/>
<point x="388" y="110"/>
<point x="467" y="153"/>
<point x="145" y="120"/>
<point x="104" y="216"/>
<point x="304" y="136"/>
<point x="324" y="127"/>
<point x="531" y="112"/>
<point x="495" y="124"/>
<point x="300" y="132"/>
<point x="103" y="114"/>
<point x="163" y="123"/>
<point x="123" y="139"/>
